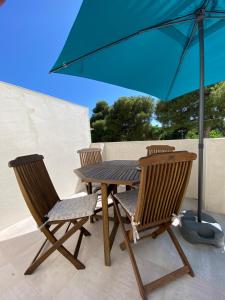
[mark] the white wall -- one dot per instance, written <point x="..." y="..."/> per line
<point x="215" y="175"/>
<point x="214" y="165"/>
<point x="30" y="123"/>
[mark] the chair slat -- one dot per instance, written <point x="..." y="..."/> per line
<point x="154" y="149"/>
<point x="90" y="156"/>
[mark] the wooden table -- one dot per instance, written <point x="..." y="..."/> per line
<point x="109" y="174"/>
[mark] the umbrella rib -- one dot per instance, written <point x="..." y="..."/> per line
<point x="215" y="27"/>
<point x="215" y="12"/>
<point x="214" y="17"/>
<point x="205" y="4"/>
<point x="184" y="51"/>
<point x="178" y="20"/>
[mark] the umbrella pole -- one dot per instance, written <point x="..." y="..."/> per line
<point x="201" y="117"/>
<point x="200" y="227"/>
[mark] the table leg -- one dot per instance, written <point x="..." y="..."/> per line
<point x="105" y="216"/>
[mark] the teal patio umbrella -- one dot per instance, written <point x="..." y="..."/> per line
<point x="165" y="48"/>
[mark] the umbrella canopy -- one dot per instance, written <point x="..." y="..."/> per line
<point x="149" y="46"/>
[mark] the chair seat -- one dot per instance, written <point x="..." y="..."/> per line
<point x="96" y="187"/>
<point x="128" y="200"/>
<point x="99" y="202"/>
<point x="74" y="208"/>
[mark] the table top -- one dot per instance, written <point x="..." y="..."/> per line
<point x="111" y="172"/>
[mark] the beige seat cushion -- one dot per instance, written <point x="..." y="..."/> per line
<point x="128" y="200"/>
<point x="74" y="208"/>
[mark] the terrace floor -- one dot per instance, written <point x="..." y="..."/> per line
<point x="57" y="279"/>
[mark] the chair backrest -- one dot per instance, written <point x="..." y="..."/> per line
<point x="35" y="185"/>
<point x="164" y="179"/>
<point x="90" y="156"/>
<point x="154" y="149"/>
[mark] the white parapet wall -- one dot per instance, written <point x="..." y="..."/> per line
<point x="215" y="175"/>
<point x="31" y="123"/>
<point x="214" y="165"/>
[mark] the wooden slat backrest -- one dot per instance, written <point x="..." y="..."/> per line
<point x="154" y="149"/>
<point x="35" y="185"/>
<point x="164" y="178"/>
<point x="90" y="156"/>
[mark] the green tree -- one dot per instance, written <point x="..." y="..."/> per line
<point x="183" y="112"/>
<point x="97" y="121"/>
<point x="192" y="134"/>
<point x="100" y="111"/>
<point x="129" y="119"/>
<point x="156" y="133"/>
<point x="177" y="114"/>
<point x="215" y="109"/>
<point x="215" y="133"/>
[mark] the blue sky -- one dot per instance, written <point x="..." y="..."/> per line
<point x="32" y="35"/>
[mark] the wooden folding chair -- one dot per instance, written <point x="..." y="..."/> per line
<point x="154" y="149"/>
<point x="164" y="178"/>
<point x="48" y="210"/>
<point x="92" y="156"/>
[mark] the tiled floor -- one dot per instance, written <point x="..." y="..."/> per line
<point x="57" y="279"/>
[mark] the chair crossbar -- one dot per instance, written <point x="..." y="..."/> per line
<point x="57" y="245"/>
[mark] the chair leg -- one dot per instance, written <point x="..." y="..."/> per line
<point x="45" y="242"/>
<point x="128" y="188"/>
<point x="82" y="229"/>
<point x="89" y="191"/>
<point x="180" y="251"/>
<point x="186" y="269"/>
<point x="57" y="245"/>
<point x="149" y="287"/>
<point x="85" y="231"/>
<point x="68" y="226"/>
<point x="130" y="237"/>
<point x="76" y="251"/>
<point x="89" y="188"/>
<point x="114" y="229"/>
<point x="130" y="252"/>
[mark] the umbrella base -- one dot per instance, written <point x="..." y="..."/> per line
<point x="208" y="231"/>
